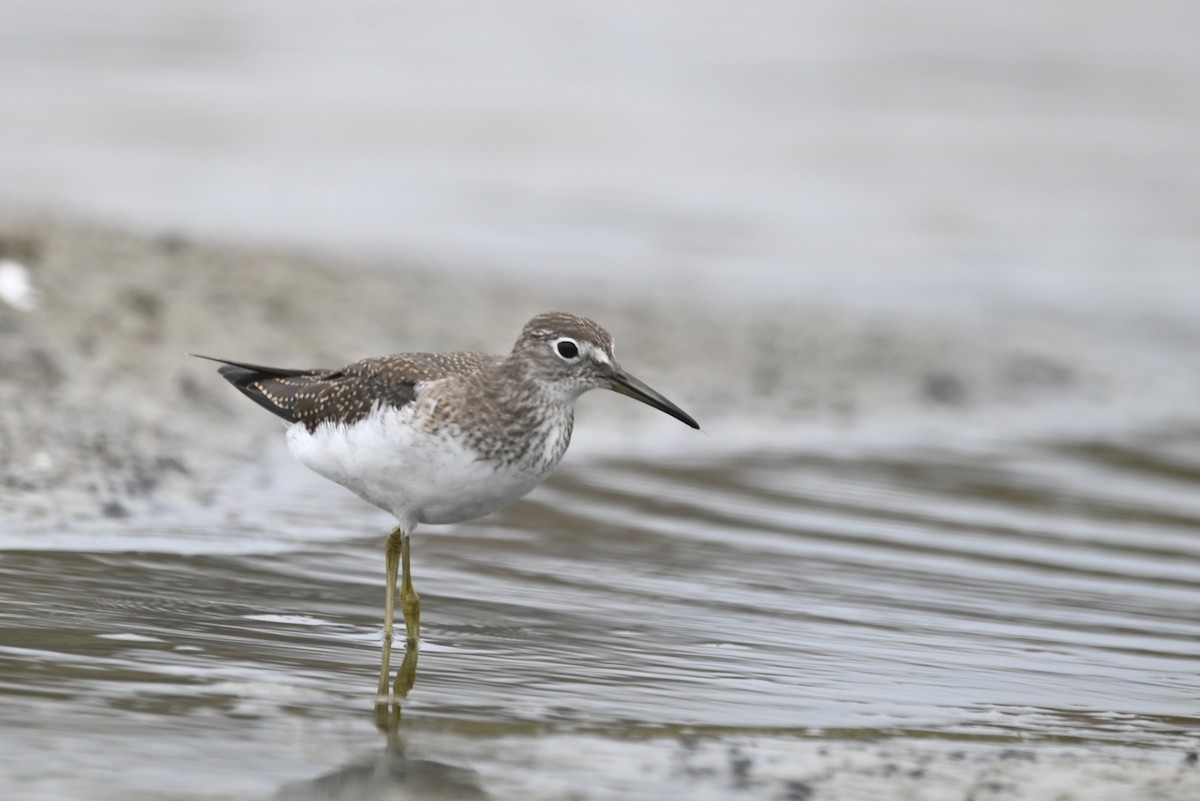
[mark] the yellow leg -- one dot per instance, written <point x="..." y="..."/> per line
<point x="397" y="542"/>
<point x="410" y="602"/>
<point x="406" y="676"/>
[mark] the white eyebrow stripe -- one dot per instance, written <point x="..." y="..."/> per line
<point x="599" y="355"/>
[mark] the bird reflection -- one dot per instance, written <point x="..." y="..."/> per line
<point x="391" y="773"/>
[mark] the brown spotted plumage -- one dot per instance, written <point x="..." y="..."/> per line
<point x="349" y="394"/>
<point x="443" y="437"/>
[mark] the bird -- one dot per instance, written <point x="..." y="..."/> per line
<point x="437" y="438"/>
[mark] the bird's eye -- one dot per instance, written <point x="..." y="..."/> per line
<point x="566" y="348"/>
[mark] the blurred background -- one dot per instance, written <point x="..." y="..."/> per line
<point x="935" y="153"/>
<point x="928" y="274"/>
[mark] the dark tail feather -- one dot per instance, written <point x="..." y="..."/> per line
<point x="257" y="369"/>
<point x="247" y="377"/>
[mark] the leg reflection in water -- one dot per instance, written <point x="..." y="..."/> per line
<point x="390" y="773"/>
<point x="388" y="709"/>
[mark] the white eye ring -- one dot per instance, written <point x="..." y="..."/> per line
<point x="566" y="349"/>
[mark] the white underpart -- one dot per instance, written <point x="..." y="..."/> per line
<point x="417" y="476"/>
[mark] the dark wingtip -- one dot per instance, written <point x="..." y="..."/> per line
<point x="238" y="376"/>
<point x="234" y="372"/>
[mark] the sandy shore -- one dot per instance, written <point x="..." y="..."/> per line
<point x="101" y="413"/>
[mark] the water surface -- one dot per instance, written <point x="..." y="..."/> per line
<point x="638" y="627"/>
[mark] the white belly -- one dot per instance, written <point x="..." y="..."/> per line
<point x="417" y="476"/>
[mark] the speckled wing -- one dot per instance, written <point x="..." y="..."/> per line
<point x="349" y="394"/>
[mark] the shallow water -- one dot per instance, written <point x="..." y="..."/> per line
<point x="637" y="628"/>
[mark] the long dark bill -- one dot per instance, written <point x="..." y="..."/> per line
<point x="623" y="382"/>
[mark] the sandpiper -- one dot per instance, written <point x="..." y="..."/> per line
<point x="443" y="437"/>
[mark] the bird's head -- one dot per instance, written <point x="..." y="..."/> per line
<point x="568" y="355"/>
